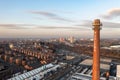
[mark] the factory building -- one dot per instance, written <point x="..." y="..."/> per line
<point x="84" y="71"/>
<point x="36" y="74"/>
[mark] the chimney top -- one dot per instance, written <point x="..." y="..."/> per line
<point x="97" y="22"/>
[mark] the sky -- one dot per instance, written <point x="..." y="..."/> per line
<point x="58" y="18"/>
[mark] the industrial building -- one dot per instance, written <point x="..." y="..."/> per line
<point x="84" y="71"/>
<point x="36" y="74"/>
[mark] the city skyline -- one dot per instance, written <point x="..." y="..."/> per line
<point x="53" y="18"/>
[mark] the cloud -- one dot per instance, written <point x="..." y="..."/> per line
<point x="61" y="27"/>
<point x="48" y="14"/>
<point x="51" y="15"/>
<point x="16" y="26"/>
<point x="88" y="24"/>
<point x="66" y="12"/>
<point x="111" y="14"/>
<point x="111" y="25"/>
<point x="85" y="25"/>
<point x="33" y="26"/>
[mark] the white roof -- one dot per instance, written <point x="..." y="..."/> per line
<point x="89" y="62"/>
<point x="35" y="72"/>
<point x="115" y="46"/>
<point x="118" y="71"/>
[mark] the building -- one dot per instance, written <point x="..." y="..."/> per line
<point x="84" y="71"/>
<point x="118" y="72"/>
<point x="61" y="40"/>
<point x="71" y="39"/>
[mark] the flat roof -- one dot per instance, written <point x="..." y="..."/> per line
<point x="118" y="70"/>
<point x="84" y="76"/>
<point x="89" y="62"/>
<point x="105" y="60"/>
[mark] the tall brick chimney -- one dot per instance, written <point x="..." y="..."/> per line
<point x="96" y="50"/>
